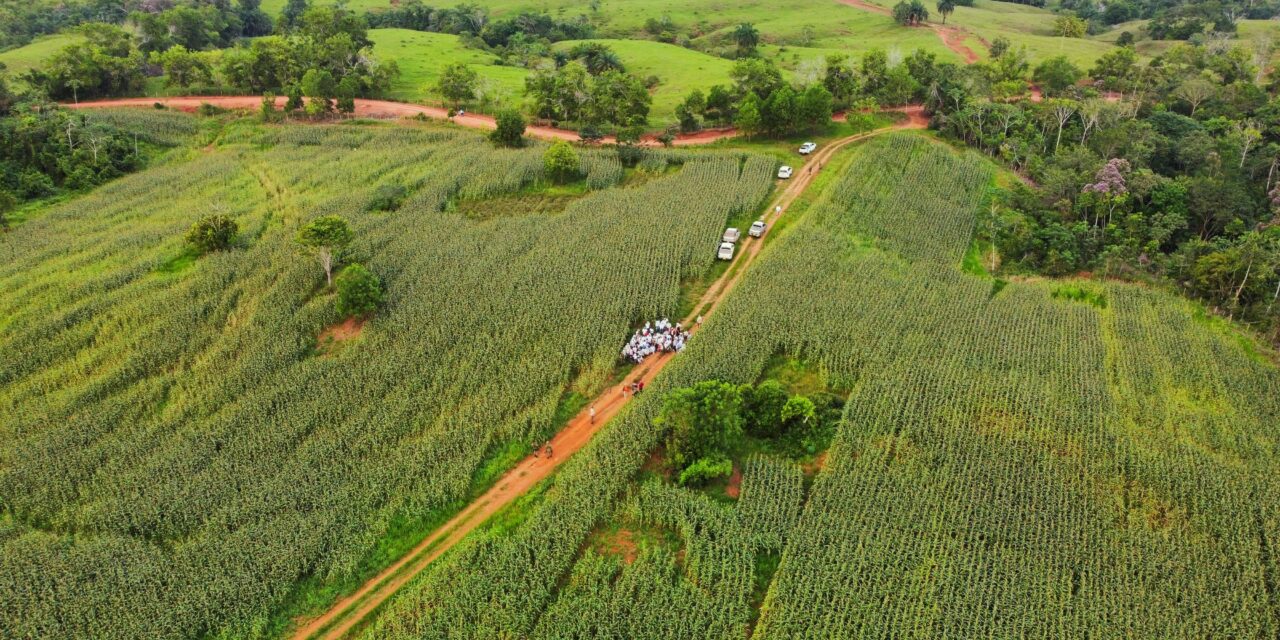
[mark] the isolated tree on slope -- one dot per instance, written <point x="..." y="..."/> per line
<point x="945" y="7"/>
<point x="510" y="129"/>
<point x="213" y="233"/>
<point x="458" y="84"/>
<point x="561" y="161"/>
<point x="359" y="291"/>
<point x="326" y="235"/>
<point x="747" y="37"/>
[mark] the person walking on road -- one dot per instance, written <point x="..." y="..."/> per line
<point x="548" y="449"/>
<point x="592" y="413"/>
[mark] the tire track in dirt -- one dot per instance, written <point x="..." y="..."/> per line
<point x="356" y="607"/>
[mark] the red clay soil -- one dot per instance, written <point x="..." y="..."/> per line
<point x="349" y="611"/>
<point x="952" y="37"/>
<point x="734" y="489"/>
<point x="341" y="332"/>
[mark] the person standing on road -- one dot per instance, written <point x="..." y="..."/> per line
<point x="548" y="449"/>
<point x="592" y="413"/>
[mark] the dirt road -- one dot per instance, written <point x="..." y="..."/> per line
<point x="388" y="109"/>
<point x="351" y="610"/>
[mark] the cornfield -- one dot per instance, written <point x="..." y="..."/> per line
<point x="175" y="455"/>
<point x="1010" y="464"/>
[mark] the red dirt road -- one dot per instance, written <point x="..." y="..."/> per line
<point x="388" y="109"/>
<point x="351" y="610"/>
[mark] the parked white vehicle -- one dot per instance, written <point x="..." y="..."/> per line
<point x="807" y="148"/>
<point x="757" y="229"/>
<point x="731" y="235"/>
<point x="726" y="251"/>
<point x="784" y="172"/>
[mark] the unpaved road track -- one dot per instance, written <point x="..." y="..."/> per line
<point x="388" y="109"/>
<point x="351" y="610"/>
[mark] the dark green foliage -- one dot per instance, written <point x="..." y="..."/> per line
<point x="762" y="408"/>
<point x="388" y="197"/>
<point x="359" y="291"/>
<point x="326" y="236"/>
<point x="213" y="233"/>
<point x="45" y="149"/>
<point x="704" y="470"/>
<point x="562" y="162"/>
<point x="510" y="129"/>
<point x="457" y="83"/>
<point x="699" y="421"/>
<point x="746" y="36"/>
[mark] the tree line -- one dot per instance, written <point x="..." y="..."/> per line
<point x="1163" y="171"/>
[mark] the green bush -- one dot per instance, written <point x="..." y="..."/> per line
<point x="213" y="233"/>
<point x="705" y="470"/>
<point x="359" y="291"/>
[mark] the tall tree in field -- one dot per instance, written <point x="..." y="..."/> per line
<point x="458" y="84"/>
<point x="561" y="161"/>
<point x="747" y="37"/>
<point x="213" y="233"/>
<point x="510" y="129"/>
<point x="326" y="236"/>
<point x="1056" y="74"/>
<point x="359" y="291"/>
<point x="945" y="7"/>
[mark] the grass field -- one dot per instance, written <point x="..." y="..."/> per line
<point x="422" y="56"/>
<point x="179" y="415"/>
<point x="34" y="54"/>
<point x="679" y="71"/>
<point x="1022" y="460"/>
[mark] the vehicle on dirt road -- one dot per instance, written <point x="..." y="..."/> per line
<point x="726" y="251"/>
<point x="757" y="229"/>
<point x="807" y="148"/>
<point x="731" y="235"/>
<point x="784" y="172"/>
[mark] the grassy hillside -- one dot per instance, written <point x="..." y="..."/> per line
<point x="34" y="54"/>
<point x="422" y="56"/>
<point x="186" y="449"/>
<point x="1015" y="459"/>
<point x="679" y="71"/>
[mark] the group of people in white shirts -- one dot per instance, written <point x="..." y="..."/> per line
<point x="655" y="337"/>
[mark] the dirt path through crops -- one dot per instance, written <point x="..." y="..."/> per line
<point x="388" y="109"/>
<point x="351" y="610"/>
<point x="952" y="37"/>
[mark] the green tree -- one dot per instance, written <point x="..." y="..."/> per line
<point x="510" y="129"/>
<point x="326" y="236"/>
<point x="815" y="106"/>
<point x="268" y="107"/>
<point x="747" y="38"/>
<point x="319" y="87"/>
<point x="999" y="45"/>
<point x="1068" y="26"/>
<point x="359" y="291"/>
<point x="7" y="203"/>
<point x="945" y="7"/>
<point x="757" y="76"/>
<point x="293" y="10"/>
<point x="294" y="92"/>
<point x="346" y="92"/>
<point x="458" y="83"/>
<point x="1056" y="74"/>
<point x="561" y="161"/>
<point x="213" y="233"/>
<point x="762" y="408"/>
<point x="749" y="121"/>
<point x="184" y="68"/>
<point x="699" y="421"/>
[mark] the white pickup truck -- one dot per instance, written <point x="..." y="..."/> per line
<point x="726" y="251"/>
<point x="731" y="235"/>
<point x="757" y="229"/>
